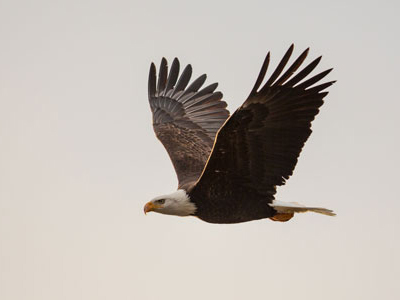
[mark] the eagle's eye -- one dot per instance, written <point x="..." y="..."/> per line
<point x="160" y="201"/>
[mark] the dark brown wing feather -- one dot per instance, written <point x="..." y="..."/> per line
<point x="185" y="118"/>
<point x="258" y="147"/>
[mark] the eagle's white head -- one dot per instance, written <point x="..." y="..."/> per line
<point x="177" y="204"/>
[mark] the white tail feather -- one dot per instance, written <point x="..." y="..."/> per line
<point x="292" y="207"/>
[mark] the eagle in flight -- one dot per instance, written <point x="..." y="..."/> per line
<point x="229" y="166"/>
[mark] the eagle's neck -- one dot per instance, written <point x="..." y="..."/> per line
<point x="180" y="204"/>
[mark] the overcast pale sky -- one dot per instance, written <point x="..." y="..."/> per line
<point x="79" y="159"/>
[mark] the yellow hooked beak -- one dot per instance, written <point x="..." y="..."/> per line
<point x="150" y="206"/>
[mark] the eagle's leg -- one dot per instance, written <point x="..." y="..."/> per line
<point x="282" y="217"/>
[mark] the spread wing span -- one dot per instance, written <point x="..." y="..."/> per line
<point x="185" y="118"/>
<point x="258" y="147"/>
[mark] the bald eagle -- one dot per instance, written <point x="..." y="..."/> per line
<point x="228" y="166"/>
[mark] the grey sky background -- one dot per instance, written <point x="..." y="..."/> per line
<point x="79" y="158"/>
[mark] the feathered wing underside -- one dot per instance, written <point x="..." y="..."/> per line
<point x="258" y="147"/>
<point x="186" y="118"/>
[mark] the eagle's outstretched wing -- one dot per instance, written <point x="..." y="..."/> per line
<point x="258" y="146"/>
<point x="185" y="119"/>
